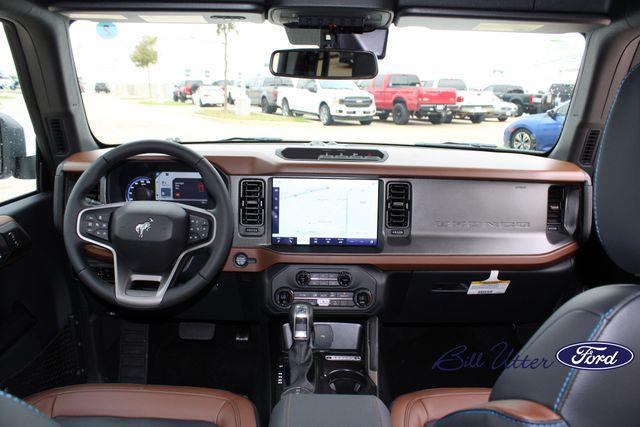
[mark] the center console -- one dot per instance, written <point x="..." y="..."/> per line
<point x="325" y="371"/>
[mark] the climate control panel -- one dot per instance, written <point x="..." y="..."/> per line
<point x="347" y="289"/>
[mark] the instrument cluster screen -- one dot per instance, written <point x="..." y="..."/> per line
<point x="325" y="212"/>
<point x="180" y="187"/>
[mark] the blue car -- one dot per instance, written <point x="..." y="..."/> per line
<point x="537" y="132"/>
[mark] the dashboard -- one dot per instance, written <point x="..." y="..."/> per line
<point x="409" y="208"/>
<point x="336" y="226"/>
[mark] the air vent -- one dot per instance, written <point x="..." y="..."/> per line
<point x="58" y="135"/>
<point x="398" y="206"/>
<point x="590" y="146"/>
<point x="252" y="205"/>
<point x="555" y="209"/>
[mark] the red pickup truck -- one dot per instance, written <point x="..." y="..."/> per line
<point x="402" y="96"/>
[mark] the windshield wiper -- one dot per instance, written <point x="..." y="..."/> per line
<point x="242" y="138"/>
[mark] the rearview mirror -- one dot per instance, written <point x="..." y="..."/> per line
<point x="324" y="64"/>
<point x="13" y="151"/>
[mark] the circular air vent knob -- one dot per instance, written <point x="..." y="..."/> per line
<point x="344" y="278"/>
<point x="284" y="297"/>
<point x="303" y="278"/>
<point x="362" y="298"/>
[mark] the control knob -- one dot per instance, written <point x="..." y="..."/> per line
<point x="284" y="297"/>
<point x="344" y="278"/>
<point x="362" y="298"/>
<point x="303" y="278"/>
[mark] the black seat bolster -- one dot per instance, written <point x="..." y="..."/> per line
<point x="616" y="183"/>
<point x="608" y="314"/>
<point x="16" y="412"/>
<point x="321" y="410"/>
<point x="503" y="413"/>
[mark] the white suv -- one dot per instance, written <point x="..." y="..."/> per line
<point x="328" y="99"/>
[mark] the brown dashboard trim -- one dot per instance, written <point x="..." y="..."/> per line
<point x="5" y="219"/>
<point x="265" y="258"/>
<point x="252" y="159"/>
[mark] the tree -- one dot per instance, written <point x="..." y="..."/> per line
<point x="224" y="30"/>
<point x="145" y="55"/>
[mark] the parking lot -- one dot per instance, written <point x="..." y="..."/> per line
<point x="116" y="120"/>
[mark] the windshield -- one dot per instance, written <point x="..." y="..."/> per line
<point x="431" y="87"/>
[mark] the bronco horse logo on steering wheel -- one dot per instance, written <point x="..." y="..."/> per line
<point x="143" y="228"/>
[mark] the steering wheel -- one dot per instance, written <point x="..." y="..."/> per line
<point x="149" y="240"/>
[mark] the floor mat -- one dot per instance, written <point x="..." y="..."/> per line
<point x="220" y="363"/>
<point x="419" y="357"/>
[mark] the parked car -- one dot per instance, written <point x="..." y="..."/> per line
<point x="208" y="95"/>
<point x="538" y="132"/>
<point x="263" y="91"/>
<point x="502" y="110"/>
<point x="402" y="96"/>
<point x="101" y="87"/>
<point x="185" y="89"/>
<point x="235" y="90"/>
<point x="330" y="100"/>
<point x="526" y="102"/>
<point x="557" y="94"/>
<point x="472" y="104"/>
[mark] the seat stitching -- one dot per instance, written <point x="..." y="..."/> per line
<point x="600" y="148"/>
<point x="560" y="422"/>
<point x="413" y="401"/>
<point x="22" y="403"/>
<point x="98" y="390"/>
<point x="598" y="329"/>
<point x="218" y="414"/>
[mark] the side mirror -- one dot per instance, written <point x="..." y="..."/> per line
<point x="552" y="113"/>
<point x="13" y="151"/>
<point x="324" y="64"/>
<point x="312" y="89"/>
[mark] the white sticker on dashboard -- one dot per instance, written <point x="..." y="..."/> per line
<point x="490" y="286"/>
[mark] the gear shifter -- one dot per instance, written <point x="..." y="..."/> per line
<point x="301" y="352"/>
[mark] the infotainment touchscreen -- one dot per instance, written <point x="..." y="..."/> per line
<point x="180" y="187"/>
<point x="327" y="212"/>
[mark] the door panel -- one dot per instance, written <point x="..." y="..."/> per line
<point x="34" y="294"/>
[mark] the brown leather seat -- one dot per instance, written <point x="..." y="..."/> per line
<point x="146" y="402"/>
<point x="422" y="407"/>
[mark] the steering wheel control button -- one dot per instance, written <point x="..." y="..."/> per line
<point x="198" y="229"/>
<point x="96" y="225"/>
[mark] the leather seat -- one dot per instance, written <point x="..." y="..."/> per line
<point x="129" y="405"/>
<point x="559" y="395"/>
<point x="422" y="407"/>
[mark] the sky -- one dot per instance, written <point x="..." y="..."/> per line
<point x="533" y="61"/>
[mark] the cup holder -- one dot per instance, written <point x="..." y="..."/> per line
<point x="346" y="381"/>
